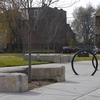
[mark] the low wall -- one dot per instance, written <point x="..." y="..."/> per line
<point x="13" y="82"/>
<point x="54" y="72"/>
<point x="56" y="58"/>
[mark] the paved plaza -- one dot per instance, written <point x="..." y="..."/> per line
<point x="82" y="87"/>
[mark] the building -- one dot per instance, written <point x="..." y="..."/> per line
<point x="98" y="29"/>
<point x="48" y="29"/>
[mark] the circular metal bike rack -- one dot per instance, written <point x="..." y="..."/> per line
<point x="94" y="61"/>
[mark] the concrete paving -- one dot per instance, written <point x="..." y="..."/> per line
<point x="82" y="87"/>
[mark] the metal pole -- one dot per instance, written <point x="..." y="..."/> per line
<point x="29" y="69"/>
<point x="29" y="45"/>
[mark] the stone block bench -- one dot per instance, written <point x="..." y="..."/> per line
<point x="13" y="82"/>
<point x="54" y="72"/>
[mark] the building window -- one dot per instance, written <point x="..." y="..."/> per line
<point x="35" y="27"/>
<point x="35" y="12"/>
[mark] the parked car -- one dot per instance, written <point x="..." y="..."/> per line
<point x="67" y="49"/>
<point x="83" y="54"/>
<point x="97" y="50"/>
<point x="75" y="49"/>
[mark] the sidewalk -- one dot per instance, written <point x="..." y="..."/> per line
<point x="82" y="87"/>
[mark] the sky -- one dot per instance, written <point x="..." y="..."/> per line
<point x="69" y="5"/>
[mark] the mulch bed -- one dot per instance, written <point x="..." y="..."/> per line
<point x="37" y="84"/>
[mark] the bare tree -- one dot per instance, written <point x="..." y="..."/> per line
<point x="12" y="10"/>
<point x="84" y="23"/>
<point x="48" y="2"/>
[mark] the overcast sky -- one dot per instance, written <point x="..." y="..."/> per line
<point x="64" y="4"/>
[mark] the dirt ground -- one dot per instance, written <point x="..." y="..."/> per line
<point x="36" y="84"/>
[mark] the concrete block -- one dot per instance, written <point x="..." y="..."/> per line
<point x="13" y="82"/>
<point x="53" y="73"/>
<point x="65" y="58"/>
<point x="57" y="58"/>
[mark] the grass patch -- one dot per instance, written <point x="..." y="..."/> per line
<point x="86" y="58"/>
<point x="8" y="60"/>
<point x="83" y="58"/>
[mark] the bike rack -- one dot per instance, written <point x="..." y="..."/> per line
<point x="93" y="59"/>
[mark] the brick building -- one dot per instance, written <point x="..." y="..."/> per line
<point x="98" y="29"/>
<point x="49" y="30"/>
